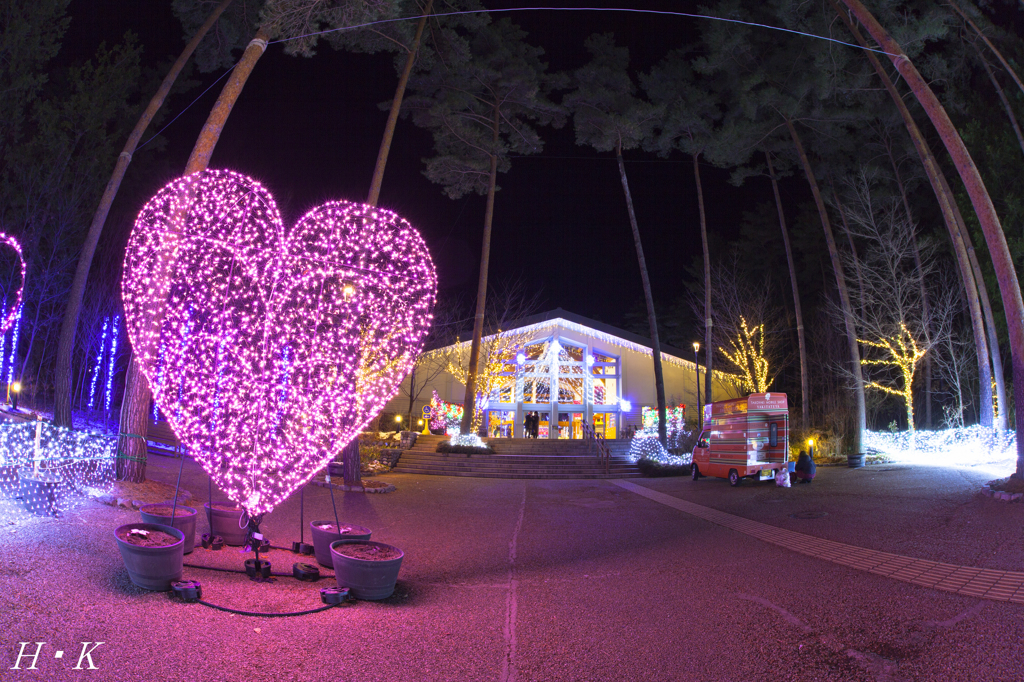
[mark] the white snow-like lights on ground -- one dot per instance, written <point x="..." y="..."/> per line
<point x="969" y="446"/>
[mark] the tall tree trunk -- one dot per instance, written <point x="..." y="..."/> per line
<point x="709" y="346"/>
<point x="1002" y="261"/>
<point x="469" y="403"/>
<point x="659" y="380"/>
<point x="412" y="395"/>
<point x="69" y="325"/>
<point x="131" y="447"/>
<point x="997" y="53"/>
<point x="970" y="274"/>
<point x="1002" y="98"/>
<point x="396" y="105"/>
<point x="351" y="469"/>
<point x="926" y="308"/>
<point x="805" y="391"/>
<point x="849" y="240"/>
<point x="998" y="375"/>
<point x="860" y="414"/>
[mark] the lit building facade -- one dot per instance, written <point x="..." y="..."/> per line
<point x="567" y="370"/>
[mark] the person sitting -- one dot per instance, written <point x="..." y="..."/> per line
<point x="805" y="467"/>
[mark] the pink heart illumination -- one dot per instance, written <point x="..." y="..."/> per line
<point x="268" y="348"/>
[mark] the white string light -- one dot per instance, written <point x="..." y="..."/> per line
<point x="70" y="465"/>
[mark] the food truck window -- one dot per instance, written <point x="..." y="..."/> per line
<point x="704" y="441"/>
<point x="773" y="435"/>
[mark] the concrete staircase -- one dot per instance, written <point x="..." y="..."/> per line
<point x="518" y="458"/>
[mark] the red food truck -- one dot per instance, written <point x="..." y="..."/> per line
<point x="743" y="437"/>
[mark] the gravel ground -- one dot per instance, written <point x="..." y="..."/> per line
<point x="544" y="580"/>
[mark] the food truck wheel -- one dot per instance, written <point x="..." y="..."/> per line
<point x="734" y="477"/>
<point x="694" y="471"/>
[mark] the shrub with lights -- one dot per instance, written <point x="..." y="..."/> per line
<point x="279" y="345"/>
<point x="645" y="444"/>
<point x="47" y="469"/>
<point x="445" y="416"/>
<point x="964" y="446"/>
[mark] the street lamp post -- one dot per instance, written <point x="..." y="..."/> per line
<point x="696" y="369"/>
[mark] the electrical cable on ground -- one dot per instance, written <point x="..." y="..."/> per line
<point x="265" y="615"/>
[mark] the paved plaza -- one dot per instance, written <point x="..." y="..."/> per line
<point x="648" y="579"/>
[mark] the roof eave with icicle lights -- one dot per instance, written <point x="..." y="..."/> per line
<point x="550" y="323"/>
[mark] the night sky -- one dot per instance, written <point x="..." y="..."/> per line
<point x="309" y="129"/>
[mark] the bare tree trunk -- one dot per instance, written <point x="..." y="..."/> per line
<point x="469" y="403"/>
<point x="805" y="391"/>
<point x="69" y="326"/>
<point x="709" y="346"/>
<point x="992" y="342"/>
<point x="997" y="53"/>
<point x="849" y="239"/>
<point x="412" y="394"/>
<point x="970" y="274"/>
<point x="1002" y="98"/>
<point x="137" y="395"/>
<point x="926" y="308"/>
<point x="659" y="381"/>
<point x="860" y="415"/>
<point x="1002" y="261"/>
<point x="396" y="105"/>
<point x="351" y="468"/>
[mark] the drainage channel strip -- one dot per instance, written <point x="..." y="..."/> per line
<point x="965" y="580"/>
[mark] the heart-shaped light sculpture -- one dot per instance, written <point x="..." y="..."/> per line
<point x="12" y="302"/>
<point x="269" y="349"/>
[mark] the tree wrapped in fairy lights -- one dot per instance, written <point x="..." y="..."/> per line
<point x="496" y="368"/>
<point x="279" y="344"/>
<point x="749" y="356"/>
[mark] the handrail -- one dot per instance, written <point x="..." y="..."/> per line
<point x="603" y="454"/>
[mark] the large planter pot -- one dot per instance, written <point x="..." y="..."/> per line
<point x="323" y="537"/>
<point x="152" y="567"/>
<point x="39" y="491"/>
<point x="855" y="461"/>
<point x="366" y="578"/>
<point x="224" y="519"/>
<point x="184" y="519"/>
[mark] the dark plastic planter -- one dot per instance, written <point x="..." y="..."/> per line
<point x="855" y="461"/>
<point x="322" y="539"/>
<point x="226" y="523"/>
<point x="184" y="520"/>
<point x="39" y="491"/>
<point x="152" y="568"/>
<point x="365" y="579"/>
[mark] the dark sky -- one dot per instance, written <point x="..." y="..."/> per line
<point x="310" y="128"/>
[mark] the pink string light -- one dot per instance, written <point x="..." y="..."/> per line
<point x="279" y="345"/>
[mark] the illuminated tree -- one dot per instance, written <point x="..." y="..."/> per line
<point x="895" y="328"/>
<point x="495" y="370"/>
<point x="749" y="323"/>
<point x="986" y="340"/>
<point x="748" y="355"/>
<point x="1002" y="261"/>
<point x="902" y="352"/>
